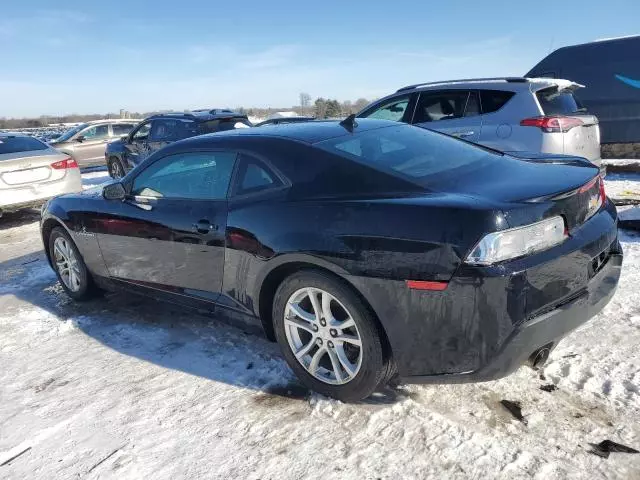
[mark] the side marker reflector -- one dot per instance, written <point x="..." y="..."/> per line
<point x="424" y="285"/>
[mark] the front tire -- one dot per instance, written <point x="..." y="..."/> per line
<point x="328" y="336"/>
<point x="116" y="170"/>
<point x="69" y="266"/>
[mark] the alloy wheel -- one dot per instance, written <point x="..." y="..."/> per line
<point x="323" y="336"/>
<point x="115" y="169"/>
<point x="67" y="264"/>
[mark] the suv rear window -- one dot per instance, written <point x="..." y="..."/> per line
<point x="494" y="100"/>
<point x="410" y="152"/>
<point x="554" y="102"/>
<point x="20" y="144"/>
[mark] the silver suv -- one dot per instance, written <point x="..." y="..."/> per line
<point x="508" y="114"/>
<point x="86" y="143"/>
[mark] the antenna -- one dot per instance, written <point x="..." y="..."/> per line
<point x="349" y="123"/>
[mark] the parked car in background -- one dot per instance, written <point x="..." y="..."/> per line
<point x="281" y="120"/>
<point x="86" y="143"/>
<point x="364" y="248"/>
<point x="160" y="130"/>
<point x="508" y="114"/>
<point x="610" y="71"/>
<point x="32" y="172"/>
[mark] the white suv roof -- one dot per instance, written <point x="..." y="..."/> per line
<point x="506" y="83"/>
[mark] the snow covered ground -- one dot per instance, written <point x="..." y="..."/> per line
<point x="123" y="387"/>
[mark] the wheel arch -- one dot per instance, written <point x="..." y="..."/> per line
<point x="47" y="227"/>
<point x="275" y="276"/>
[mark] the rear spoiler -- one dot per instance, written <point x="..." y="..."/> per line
<point x="567" y="85"/>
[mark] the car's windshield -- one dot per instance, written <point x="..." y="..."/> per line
<point x="411" y="152"/>
<point x="20" y="144"/>
<point x="71" y="132"/>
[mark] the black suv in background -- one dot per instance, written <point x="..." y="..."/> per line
<point x="155" y="132"/>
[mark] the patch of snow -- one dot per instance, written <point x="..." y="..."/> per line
<point x="94" y="179"/>
<point x="622" y="185"/>
<point x="123" y="387"/>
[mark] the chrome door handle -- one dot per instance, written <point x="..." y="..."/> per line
<point x="464" y="134"/>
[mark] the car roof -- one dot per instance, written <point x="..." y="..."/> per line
<point x="307" y="132"/>
<point x="112" y="120"/>
<point x="14" y="134"/>
<point x="200" y="115"/>
<point x="513" y="84"/>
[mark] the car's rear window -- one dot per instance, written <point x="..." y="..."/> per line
<point x="20" y="144"/>
<point x="558" y="102"/>
<point x="411" y="152"/>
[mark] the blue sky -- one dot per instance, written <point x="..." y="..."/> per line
<point x="93" y="57"/>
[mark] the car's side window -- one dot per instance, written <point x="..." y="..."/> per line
<point x="393" y="109"/>
<point x="120" y="129"/>
<point x="96" y="133"/>
<point x="164" y="130"/>
<point x="438" y="106"/>
<point x="194" y="175"/>
<point x="473" y="105"/>
<point x="142" y="133"/>
<point x="494" y="100"/>
<point x="254" y="176"/>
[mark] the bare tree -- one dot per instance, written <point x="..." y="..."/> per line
<point x="305" y="101"/>
<point x="360" y="104"/>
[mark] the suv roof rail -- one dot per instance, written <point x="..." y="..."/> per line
<point x="466" y="80"/>
<point x="173" y="114"/>
<point x="213" y="111"/>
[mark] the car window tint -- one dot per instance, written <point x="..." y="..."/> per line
<point x="417" y="153"/>
<point x="473" y="105"/>
<point x="96" y="133"/>
<point x="20" y="144"/>
<point x="163" y="130"/>
<point x="392" y="109"/>
<point x="434" y="107"/>
<point x="557" y="102"/>
<point x="143" y="132"/>
<point x="255" y="177"/>
<point x="198" y="176"/>
<point x="494" y="100"/>
<point x="120" y="129"/>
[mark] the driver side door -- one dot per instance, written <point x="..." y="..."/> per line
<point x="137" y="145"/>
<point x="169" y="233"/>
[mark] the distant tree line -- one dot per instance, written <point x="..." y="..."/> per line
<point x="321" y="108"/>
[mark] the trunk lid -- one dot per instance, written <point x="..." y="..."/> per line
<point x="529" y="190"/>
<point x="28" y="168"/>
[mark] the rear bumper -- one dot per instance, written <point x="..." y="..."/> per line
<point x="18" y="197"/>
<point x="543" y="330"/>
<point x="489" y="320"/>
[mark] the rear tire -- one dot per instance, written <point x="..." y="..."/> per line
<point x="115" y="167"/>
<point x="69" y="266"/>
<point x="332" y="343"/>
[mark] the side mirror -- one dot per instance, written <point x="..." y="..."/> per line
<point x="114" y="191"/>
<point x="124" y="138"/>
<point x="80" y="138"/>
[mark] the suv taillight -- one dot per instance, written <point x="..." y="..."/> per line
<point x="552" y="124"/>
<point x="63" y="164"/>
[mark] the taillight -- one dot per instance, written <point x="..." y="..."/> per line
<point x="63" y="164"/>
<point x="603" y="194"/>
<point x="552" y="124"/>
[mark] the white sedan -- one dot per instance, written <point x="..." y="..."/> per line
<point x="31" y="172"/>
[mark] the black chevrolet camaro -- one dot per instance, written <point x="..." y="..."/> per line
<point x="367" y="250"/>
